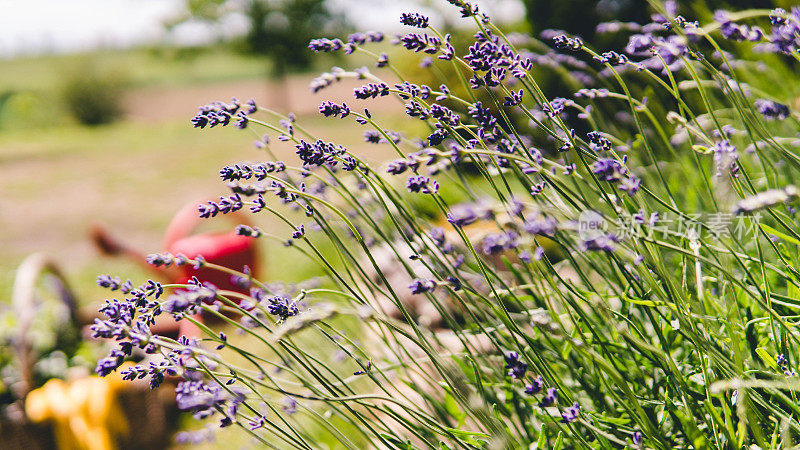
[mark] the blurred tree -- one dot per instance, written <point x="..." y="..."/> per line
<point x="580" y="17"/>
<point x="278" y="29"/>
<point x="93" y="95"/>
<point x="282" y="30"/>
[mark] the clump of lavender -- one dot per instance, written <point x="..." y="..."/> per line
<point x="595" y="270"/>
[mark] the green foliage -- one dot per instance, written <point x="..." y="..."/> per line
<point x="93" y="97"/>
<point x="580" y="17"/>
<point x="283" y="29"/>
<point x="279" y="29"/>
<point x="25" y="110"/>
<point x="663" y="327"/>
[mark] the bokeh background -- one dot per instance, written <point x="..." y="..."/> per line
<point x="96" y="97"/>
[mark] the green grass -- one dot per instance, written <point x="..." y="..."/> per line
<point x="141" y="67"/>
<point x="132" y="176"/>
<point x="57" y="177"/>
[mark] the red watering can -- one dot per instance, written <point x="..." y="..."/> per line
<point x="223" y="248"/>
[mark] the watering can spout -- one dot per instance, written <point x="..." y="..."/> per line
<point x="223" y="248"/>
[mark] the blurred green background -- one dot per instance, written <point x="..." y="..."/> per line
<point x="103" y="135"/>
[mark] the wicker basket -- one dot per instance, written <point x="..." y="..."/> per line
<point x="22" y="434"/>
<point x="151" y="414"/>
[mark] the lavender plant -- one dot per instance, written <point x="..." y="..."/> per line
<point x="600" y="271"/>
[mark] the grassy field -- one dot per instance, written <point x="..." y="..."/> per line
<point x="142" y="67"/>
<point x="131" y="176"/>
<point x="56" y="178"/>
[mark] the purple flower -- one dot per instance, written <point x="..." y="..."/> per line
<point x="187" y="301"/>
<point x="371" y="90"/>
<point x="319" y="153"/>
<point x="257" y="423"/>
<point x="258" y="171"/>
<point x="421" y="43"/>
<point x="737" y="32"/>
<point x="328" y="109"/>
<point x="372" y="136"/>
<point x="535" y="386"/>
<point x="483" y="116"/>
<point x="198" y="397"/>
<point x="616" y="26"/>
<point x="397" y="167"/>
<point x="438" y="136"/>
<point x="785" y="34"/>
<point x="445" y="114"/>
<point x="725" y="156"/>
<point x="540" y="224"/>
<point x="211" y="209"/>
<point x="383" y="60"/>
<point x="220" y="113"/>
<point x="363" y="38"/>
<point x="555" y="106"/>
<point x="106" y="281"/>
<point x="326" y="79"/>
<point x="612" y="57"/>
<point x="639" y="44"/>
<point x="637" y="437"/>
<point x="498" y="242"/>
<point x="414" y="20"/>
<point x="160" y="259"/>
<point x="514" y="99"/>
<point x="299" y="232"/>
<point x="289" y="405"/>
<point x="571" y="414"/>
<point x="602" y="242"/>
<point x="772" y="110"/>
<point x="415" y="109"/>
<point x="455" y="283"/>
<point x="563" y="42"/>
<point x="325" y="45"/>
<point x="283" y="307"/>
<point x="549" y="398"/>
<point x="242" y="120"/>
<point x="244" y="230"/>
<point x="611" y="170"/>
<point x="462" y="215"/>
<point x="411" y="90"/>
<point x="158" y="372"/>
<point x="516" y="368"/>
<point x="223" y="340"/>
<point x="468" y="9"/>
<point x="420" y="286"/>
<point x="592" y="93"/>
<point x="631" y="185"/>
<point x="422" y="184"/>
<point x="598" y="142"/>
<point x="110" y="363"/>
<point x="251" y="107"/>
<point x="670" y="49"/>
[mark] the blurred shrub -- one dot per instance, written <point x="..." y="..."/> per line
<point x="93" y="97"/>
<point x="25" y="110"/>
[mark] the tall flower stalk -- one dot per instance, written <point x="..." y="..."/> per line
<point x="614" y="269"/>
